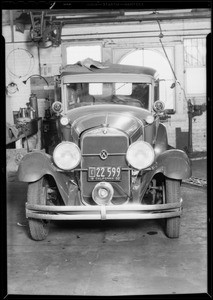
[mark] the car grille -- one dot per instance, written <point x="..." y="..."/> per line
<point x="115" y="143"/>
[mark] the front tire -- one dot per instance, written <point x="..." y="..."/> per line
<point x="37" y="194"/>
<point x="172" y="194"/>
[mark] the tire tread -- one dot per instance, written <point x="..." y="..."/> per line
<point x="37" y="228"/>
<point x="172" y="195"/>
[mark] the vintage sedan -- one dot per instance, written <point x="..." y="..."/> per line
<point x="113" y="160"/>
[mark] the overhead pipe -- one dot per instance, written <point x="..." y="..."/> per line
<point x="140" y="18"/>
<point x="86" y="13"/>
<point x="135" y="34"/>
<point x="74" y="12"/>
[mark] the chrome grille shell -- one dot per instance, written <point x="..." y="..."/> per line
<point x="115" y="143"/>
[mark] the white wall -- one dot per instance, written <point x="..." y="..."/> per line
<point x="18" y="62"/>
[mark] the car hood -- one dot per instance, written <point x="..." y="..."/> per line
<point x="125" y="118"/>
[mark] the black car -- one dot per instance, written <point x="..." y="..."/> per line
<point x="113" y="160"/>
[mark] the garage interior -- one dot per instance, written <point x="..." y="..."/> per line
<point x="107" y="258"/>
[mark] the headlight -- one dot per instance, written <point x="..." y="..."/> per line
<point x="67" y="155"/>
<point x="140" y="155"/>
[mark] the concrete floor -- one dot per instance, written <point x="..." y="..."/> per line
<point x="108" y="257"/>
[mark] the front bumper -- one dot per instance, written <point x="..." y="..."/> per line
<point x="102" y="212"/>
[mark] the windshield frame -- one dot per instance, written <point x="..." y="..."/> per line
<point x="106" y="78"/>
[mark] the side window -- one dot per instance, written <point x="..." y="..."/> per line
<point x="156" y="90"/>
<point x="71" y="95"/>
<point x="141" y="93"/>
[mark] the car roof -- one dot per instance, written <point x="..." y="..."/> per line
<point x="106" y="68"/>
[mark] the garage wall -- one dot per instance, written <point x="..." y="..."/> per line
<point x="117" y="41"/>
<point x="49" y="63"/>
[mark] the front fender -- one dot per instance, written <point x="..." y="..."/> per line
<point x="174" y="164"/>
<point x="161" y="143"/>
<point x="35" y="165"/>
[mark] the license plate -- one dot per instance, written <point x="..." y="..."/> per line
<point x="104" y="173"/>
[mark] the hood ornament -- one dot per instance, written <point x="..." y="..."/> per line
<point x="103" y="154"/>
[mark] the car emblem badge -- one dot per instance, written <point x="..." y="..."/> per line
<point x="103" y="154"/>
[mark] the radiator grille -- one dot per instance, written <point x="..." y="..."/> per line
<point x="115" y="143"/>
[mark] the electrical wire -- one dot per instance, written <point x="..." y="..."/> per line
<point x="164" y="50"/>
<point x="36" y="75"/>
<point x="31" y="64"/>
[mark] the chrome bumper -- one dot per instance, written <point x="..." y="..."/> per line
<point x="111" y="212"/>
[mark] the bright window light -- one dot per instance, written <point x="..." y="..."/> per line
<point x="123" y="88"/>
<point x="157" y="61"/>
<point x="95" y="88"/>
<point x="195" y="52"/>
<point x="196" y="80"/>
<point x="78" y="53"/>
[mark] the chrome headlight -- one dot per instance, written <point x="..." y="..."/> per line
<point x="140" y="155"/>
<point x="67" y="155"/>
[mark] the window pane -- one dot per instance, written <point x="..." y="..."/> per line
<point x="196" y="80"/>
<point x="123" y="88"/>
<point x="95" y="88"/>
<point x="77" y="53"/>
<point x="130" y="93"/>
<point x="156" y="60"/>
<point x="195" y="52"/>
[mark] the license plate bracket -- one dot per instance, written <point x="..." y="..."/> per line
<point x="104" y="174"/>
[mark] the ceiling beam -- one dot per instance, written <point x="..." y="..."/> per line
<point x="139" y="18"/>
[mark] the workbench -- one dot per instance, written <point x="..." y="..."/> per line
<point x="32" y="128"/>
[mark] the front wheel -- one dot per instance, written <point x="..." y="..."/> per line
<point x="37" y="194"/>
<point x="172" y="194"/>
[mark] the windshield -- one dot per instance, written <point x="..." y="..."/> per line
<point x="126" y="93"/>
